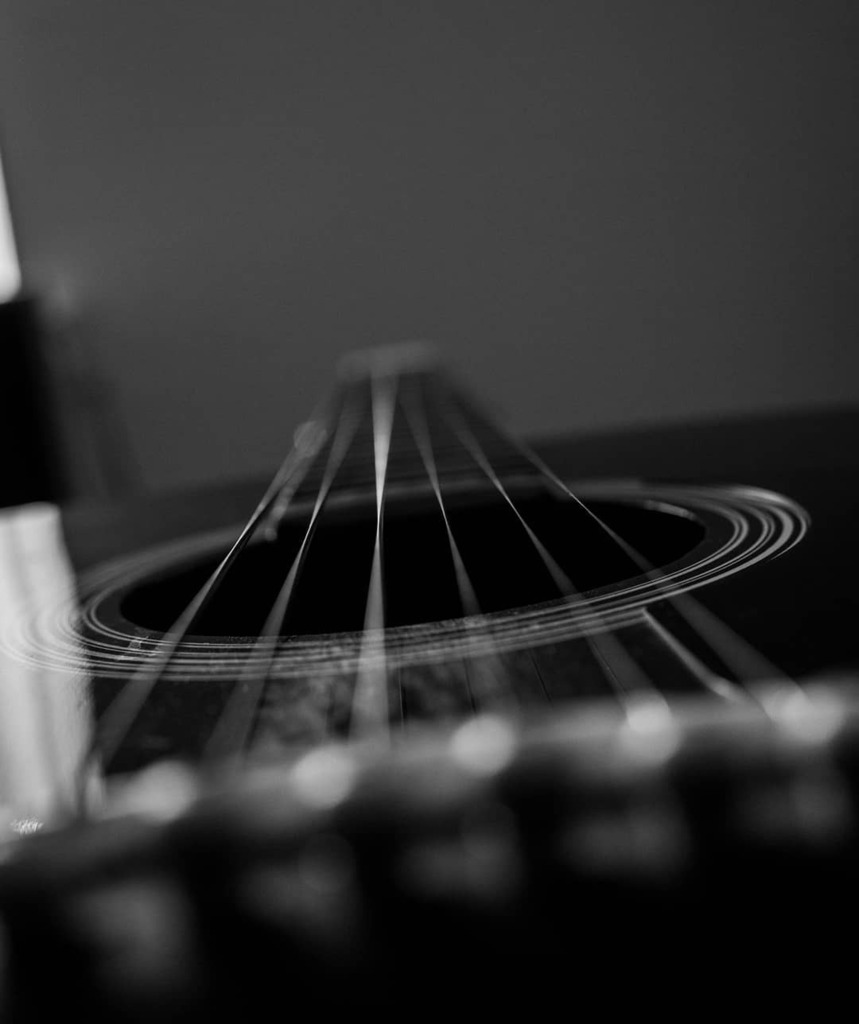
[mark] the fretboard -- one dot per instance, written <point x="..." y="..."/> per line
<point x="431" y="417"/>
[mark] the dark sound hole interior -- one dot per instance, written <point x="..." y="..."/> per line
<point x="420" y="584"/>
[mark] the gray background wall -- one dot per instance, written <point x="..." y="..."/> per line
<point x="607" y="212"/>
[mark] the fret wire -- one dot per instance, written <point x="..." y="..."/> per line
<point x="231" y="733"/>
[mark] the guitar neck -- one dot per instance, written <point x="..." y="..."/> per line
<point x="425" y="414"/>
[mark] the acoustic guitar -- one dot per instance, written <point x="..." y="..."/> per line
<point x="436" y="721"/>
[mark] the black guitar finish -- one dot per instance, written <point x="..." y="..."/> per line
<point x="798" y="610"/>
<point x="567" y="854"/>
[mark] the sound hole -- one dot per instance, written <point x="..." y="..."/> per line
<point x="503" y="565"/>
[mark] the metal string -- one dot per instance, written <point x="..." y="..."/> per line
<point x="744" y="660"/>
<point x="624" y="675"/>
<point x="415" y="413"/>
<point x="121" y="714"/>
<point x="234" y="725"/>
<point x="370" y="697"/>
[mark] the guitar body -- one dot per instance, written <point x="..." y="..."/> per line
<point x="561" y="775"/>
<point x="797" y="609"/>
<point x="789" y="481"/>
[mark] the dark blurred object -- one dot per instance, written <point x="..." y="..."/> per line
<point x="589" y="857"/>
<point x="32" y="464"/>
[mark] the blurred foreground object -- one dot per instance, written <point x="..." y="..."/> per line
<point x="582" y="858"/>
<point x="28" y="434"/>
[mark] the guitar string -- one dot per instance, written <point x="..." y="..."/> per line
<point x="738" y="655"/>
<point x="415" y="413"/>
<point x="610" y="647"/>
<point x="372" y="674"/>
<point x="369" y="705"/>
<point x="231" y="733"/>
<point x="120" y="716"/>
<point x="704" y="675"/>
<point x="546" y="693"/>
<point x="625" y="677"/>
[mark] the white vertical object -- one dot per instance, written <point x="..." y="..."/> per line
<point x="45" y="712"/>
<point x="10" y="271"/>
